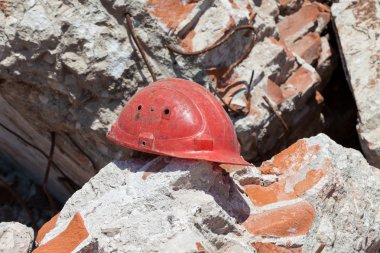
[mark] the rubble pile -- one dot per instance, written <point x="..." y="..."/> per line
<point x="315" y="194"/>
<point x="15" y="237"/>
<point x="127" y="208"/>
<point x="68" y="68"/>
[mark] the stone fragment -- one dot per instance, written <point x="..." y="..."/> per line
<point x="184" y="207"/>
<point x="74" y="62"/>
<point x="325" y="196"/>
<point x="315" y="194"/>
<point x="274" y="92"/>
<point x="249" y="176"/>
<point x="357" y="27"/>
<point x="15" y="238"/>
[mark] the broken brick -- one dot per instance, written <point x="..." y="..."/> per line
<point x="291" y="220"/>
<point x="274" y="92"/>
<point x="308" y="47"/>
<point x="67" y="240"/>
<point x="46" y="228"/>
<point x="170" y="12"/>
<point x="294" y="26"/>
<point x="300" y="81"/>
<point x="293" y="181"/>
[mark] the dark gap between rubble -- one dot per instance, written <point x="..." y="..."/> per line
<point x="339" y="107"/>
<point x="27" y="190"/>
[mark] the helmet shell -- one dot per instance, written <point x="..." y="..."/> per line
<point x="178" y="118"/>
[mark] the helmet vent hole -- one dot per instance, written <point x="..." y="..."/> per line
<point x="152" y="109"/>
<point x="139" y="107"/>
<point x="166" y="111"/>
<point x="143" y="143"/>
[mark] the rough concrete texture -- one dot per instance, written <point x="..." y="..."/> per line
<point x="357" y="25"/>
<point x="69" y="67"/>
<point x="15" y="238"/>
<point x="313" y="195"/>
<point x="128" y="207"/>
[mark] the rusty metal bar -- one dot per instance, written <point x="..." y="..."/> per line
<point x="139" y="46"/>
<point x="320" y="248"/>
<point x="39" y="150"/>
<point x="84" y="153"/>
<point x="217" y="44"/>
<point x="248" y="94"/>
<point x="47" y="171"/>
<point x="276" y="113"/>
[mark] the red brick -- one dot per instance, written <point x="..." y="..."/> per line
<point x="67" y="240"/>
<point x="281" y="43"/>
<point x="46" y="228"/>
<point x="287" y="164"/>
<point x="300" y="81"/>
<point x="295" y="23"/>
<point x="170" y="12"/>
<point x="292" y="220"/>
<point x="274" y="92"/>
<point x="309" y="47"/>
<point x="294" y="26"/>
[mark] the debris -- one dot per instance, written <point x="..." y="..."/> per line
<point x="15" y="238"/>
<point x="315" y="195"/>
<point x="357" y="27"/>
<point x="47" y="171"/>
<point x="323" y="199"/>
<point x="86" y="68"/>
<point x="169" y="211"/>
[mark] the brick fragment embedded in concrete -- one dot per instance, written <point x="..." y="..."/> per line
<point x="314" y="193"/>
<point x="320" y="194"/>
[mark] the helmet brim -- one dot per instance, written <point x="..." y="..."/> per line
<point x="218" y="157"/>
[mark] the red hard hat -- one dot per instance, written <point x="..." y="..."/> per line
<point x="179" y="118"/>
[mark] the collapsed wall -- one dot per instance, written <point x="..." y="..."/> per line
<point x="66" y="69"/>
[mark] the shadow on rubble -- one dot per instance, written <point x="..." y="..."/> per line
<point x="222" y="188"/>
<point x="21" y="199"/>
